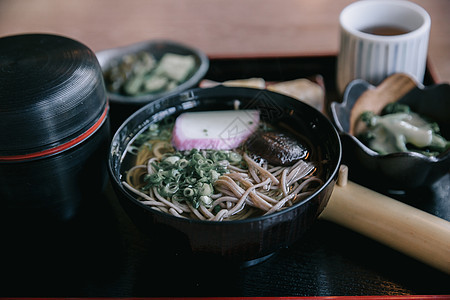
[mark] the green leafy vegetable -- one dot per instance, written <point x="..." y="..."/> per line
<point x="399" y="129"/>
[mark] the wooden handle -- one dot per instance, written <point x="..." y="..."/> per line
<point x="390" y="90"/>
<point x="416" y="233"/>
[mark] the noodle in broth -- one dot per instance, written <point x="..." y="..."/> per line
<point x="234" y="184"/>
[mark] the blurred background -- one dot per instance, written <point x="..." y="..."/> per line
<point x="221" y="28"/>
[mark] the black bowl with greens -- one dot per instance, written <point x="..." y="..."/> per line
<point x="398" y="158"/>
<point x="139" y="73"/>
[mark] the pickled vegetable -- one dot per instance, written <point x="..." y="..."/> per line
<point x="398" y="129"/>
<point x="141" y="73"/>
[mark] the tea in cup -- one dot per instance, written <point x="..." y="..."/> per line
<point x="380" y="38"/>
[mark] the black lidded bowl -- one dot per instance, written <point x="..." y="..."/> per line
<point x="54" y="127"/>
<point x="249" y="240"/>
<point x="399" y="171"/>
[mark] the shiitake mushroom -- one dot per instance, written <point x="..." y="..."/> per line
<point x="277" y="148"/>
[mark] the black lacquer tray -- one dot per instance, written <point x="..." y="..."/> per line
<point x="102" y="254"/>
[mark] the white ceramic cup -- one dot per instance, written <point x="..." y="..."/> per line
<point x="373" y="57"/>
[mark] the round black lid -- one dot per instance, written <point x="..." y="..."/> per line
<point x="51" y="92"/>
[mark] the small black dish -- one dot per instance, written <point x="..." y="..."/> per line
<point x="122" y="106"/>
<point x="54" y="127"/>
<point x="396" y="171"/>
<point x="245" y="241"/>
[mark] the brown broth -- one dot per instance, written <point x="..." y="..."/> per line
<point x="384" y="30"/>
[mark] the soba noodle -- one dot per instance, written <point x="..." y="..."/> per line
<point x="246" y="188"/>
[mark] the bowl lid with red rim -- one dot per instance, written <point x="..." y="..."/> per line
<point x="51" y="94"/>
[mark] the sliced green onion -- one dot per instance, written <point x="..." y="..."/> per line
<point x="182" y="163"/>
<point x="171" y="159"/>
<point x="206" y="201"/>
<point x="234" y="157"/>
<point x="188" y="192"/>
<point x="205" y="189"/>
<point x="169" y="189"/>
<point x="190" y="176"/>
